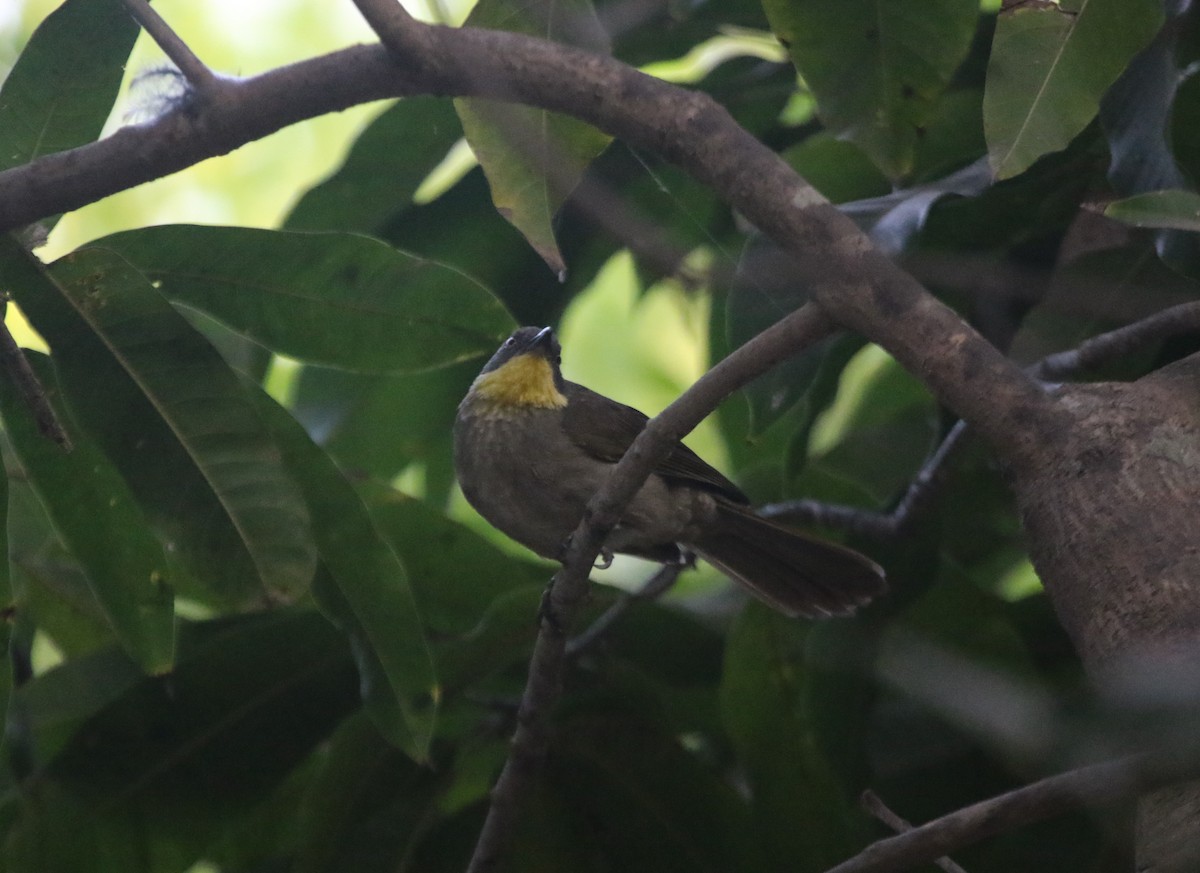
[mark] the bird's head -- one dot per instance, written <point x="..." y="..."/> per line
<point x="524" y="372"/>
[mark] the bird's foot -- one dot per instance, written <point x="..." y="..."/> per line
<point x="604" y="561"/>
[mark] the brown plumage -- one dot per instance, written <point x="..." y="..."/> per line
<point x="532" y="448"/>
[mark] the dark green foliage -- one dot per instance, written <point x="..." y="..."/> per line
<point x="272" y="659"/>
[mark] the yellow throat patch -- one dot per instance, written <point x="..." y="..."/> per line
<point x="526" y="380"/>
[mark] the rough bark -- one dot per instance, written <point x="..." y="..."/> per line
<point x="1112" y="510"/>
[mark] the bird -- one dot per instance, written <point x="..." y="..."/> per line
<point x="531" y="449"/>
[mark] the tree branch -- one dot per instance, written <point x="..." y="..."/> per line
<point x="1094" y="785"/>
<point x="873" y="803"/>
<point x="654" y="587"/>
<point x="883" y="526"/>
<point x="857" y="285"/>
<point x="1120" y="343"/>
<point x="787" y="337"/>
<point x="180" y="53"/>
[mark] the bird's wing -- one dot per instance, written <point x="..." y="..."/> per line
<point x="605" y="428"/>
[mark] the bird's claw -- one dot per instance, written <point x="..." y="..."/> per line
<point x="605" y="559"/>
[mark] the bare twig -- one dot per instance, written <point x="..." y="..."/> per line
<point x="198" y="75"/>
<point x="883" y="526"/>
<point x="653" y="588"/>
<point x="1094" y="785"/>
<point x="873" y="804"/>
<point x="1122" y="342"/>
<point x="569" y="587"/>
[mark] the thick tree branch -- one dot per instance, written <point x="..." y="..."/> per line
<point x="787" y="337"/>
<point x="859" y="287"/>
<point x="1095" y="785"/>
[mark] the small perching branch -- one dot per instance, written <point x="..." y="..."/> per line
<point x="179" y="52"/>
<point x="1094" y="785"/>
<point x="1120" y="343"/>
<point x="787" y="337"/>
<point x="653" y="588"/>
<point x="882" y="526"/>
<point x="873" y="803"/>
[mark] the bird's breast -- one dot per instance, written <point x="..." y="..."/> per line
<point x="522" y="473"/>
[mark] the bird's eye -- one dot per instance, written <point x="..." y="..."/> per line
<point x="508" y="343"/>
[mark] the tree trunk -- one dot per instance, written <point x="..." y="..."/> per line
<point x="1112" y="510"/>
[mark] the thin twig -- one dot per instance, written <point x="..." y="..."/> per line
<point x="874" y="805"/>
<point x="1094" y="785"/>
<point x="1120" y="343"/>
<point x="198" y="75"/>
<point x="653" y="588"/>
<point x="33" y="395"/>
<point x="882" y="526"/>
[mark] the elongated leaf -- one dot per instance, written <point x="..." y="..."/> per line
<point x="1049" y="67"/>
<point x="763" y="701"/>
<point x="1174" y="209"/>
<point x="366" y="592"/>
<point x="62" y="88"/>
<point x="533" y="158"/>
<point x="97" y="517"/>
<point x="387" y="163"/>
<point x="172" y="417"/>
<point x="336" y="299"/>
<point x="876" y="67"/>
<point x="171" y="764"/>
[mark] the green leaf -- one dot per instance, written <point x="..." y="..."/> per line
<point x="365" y="590"/>
<point x="385" y="166"/>
<point x="454" y="595"/>
<point x="638" y="796"/>
<point x="99" y="520"/>
<point x="876" y="67"/>
<point x="767" y="288"/>
<point x="1175" y="209"/>
<point x="764" y="705"/>
<point x="1050" y="65"/>
<point x="173" y="762"/>
<point x="62" y="88"/>
<point x="533" y="158"/>
<point x="172" y="417"/>
<point x="330" y="298"/>
<point x="381" y="424"/>
<point x="367" y="806"/>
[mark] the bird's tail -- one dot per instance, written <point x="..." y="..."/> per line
<point x="797" y="574"/>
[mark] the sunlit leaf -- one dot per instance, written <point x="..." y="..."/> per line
<point x="1175" y="209"/>
<point x="876" y="67"/>
<point x="329" y="298"/>
<point x="98" y="518"/>
<point x="62" y="88"/>
<point x="1049" y="67"/>
<point x="385" y="166"/>
<point x="533" y="158"/>
<point x="172" y="417"/>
